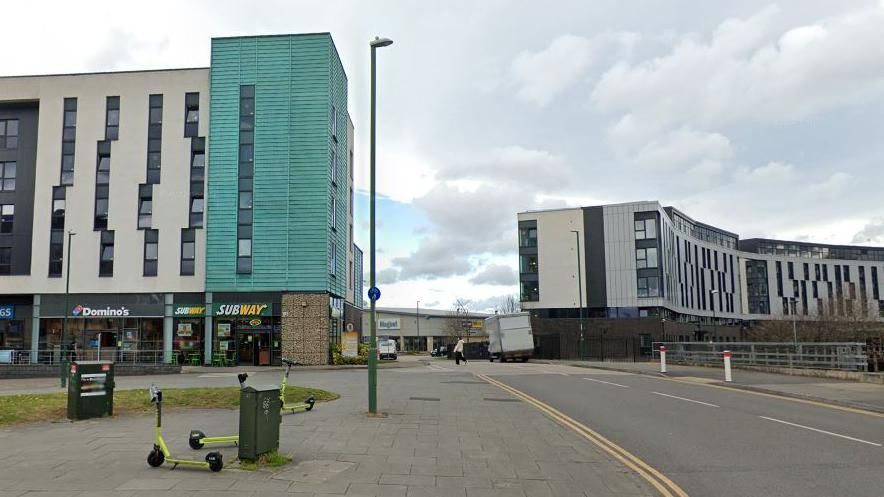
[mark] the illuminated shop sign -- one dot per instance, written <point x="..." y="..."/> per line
<point x="242" y="309"/>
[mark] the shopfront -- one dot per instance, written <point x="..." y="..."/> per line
<point x="246" y="333"/>
<point x="119" y="327"/>
<point x="188" y="333"/>
<point x="15" y="328"/>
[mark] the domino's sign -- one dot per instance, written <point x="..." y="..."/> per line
<point x="7" y="312"/>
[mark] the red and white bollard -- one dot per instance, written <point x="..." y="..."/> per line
<point x="727" y="366"/>
<point x="662" y="359"/>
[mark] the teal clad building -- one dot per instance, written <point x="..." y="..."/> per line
<point x="277" y="215"/>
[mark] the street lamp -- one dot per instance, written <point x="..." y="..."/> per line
<point x="580" y="295"/>
<point x="794" y="309"/>
<point x="712" y="302"/>
<point x="62" y="363"/>
<point x="372" y="345"/>
<point x="417" y="320"/>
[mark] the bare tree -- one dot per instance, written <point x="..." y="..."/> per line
<point x="846" y="320"/>
<point x="454" y="325"/>
<point x="509" y="305"/>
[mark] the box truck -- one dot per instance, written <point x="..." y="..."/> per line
<point x="509" y="337"/>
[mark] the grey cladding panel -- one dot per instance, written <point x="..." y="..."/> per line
<point x="594" y="241"/>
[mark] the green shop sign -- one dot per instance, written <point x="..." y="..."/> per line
<point x="242" y="310"/>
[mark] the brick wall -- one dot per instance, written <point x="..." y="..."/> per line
<point x="305" y="325"/>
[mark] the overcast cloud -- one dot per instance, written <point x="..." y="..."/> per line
<point x="762" y="118"/>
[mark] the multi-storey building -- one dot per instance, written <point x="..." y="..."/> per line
<point x="206" y="211"/>
<point x="645" y="260"/>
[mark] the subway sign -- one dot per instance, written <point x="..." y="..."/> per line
<point x="242" y="310"/>
<point x="7" y="312"/>
<point x="190" y="310"/>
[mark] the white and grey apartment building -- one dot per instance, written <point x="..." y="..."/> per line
<point x="642" y="259"/>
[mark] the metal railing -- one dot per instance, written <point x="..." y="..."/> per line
<point x="843" y="356"/>
<point x="54" y="356"/>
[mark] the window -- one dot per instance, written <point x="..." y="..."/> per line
<point x="198" y="161"/>
<point x="530" y="291"/>
<point x="528" y="263"/>
<point x="151" y="252"/>
<point x="197" y="180"/>
<point x="7" y="176"/>
<point x="191" y="114"/>
<point x="791" y="268"/>
<point x="245" y="200"/>
<point x="5" y="260"/>
<point x="649" y="286"/>
<point x="244" y="248"/>
<point x="333" y="266"/>
<point x="145" y="206"/>
<point x="528" y="237"/>
<point x="334" y="123"/>
<point x="154" y="138"/>
<point x="58" y="207"/>
<point x="334" y="167"/>
<point x="68" y="138"/>
<point x="106" y="255"/>
<point x="646" y="258"/>
<point x="7" y="216"/>
<point x="56" y="253"/>
<point x="645" y="228"/>
<point x="334" y="213"/>
<point x="188" y="251"/>
<point x="9" y="133"/>
<point x="112" y="119"/>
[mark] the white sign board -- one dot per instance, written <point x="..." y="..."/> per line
<point x="389" y="324"/>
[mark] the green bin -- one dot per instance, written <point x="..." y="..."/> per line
<point x="90" y="389"/>
<point x="259" y="418"/>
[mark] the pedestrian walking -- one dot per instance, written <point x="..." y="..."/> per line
<point x="458" y="352"/>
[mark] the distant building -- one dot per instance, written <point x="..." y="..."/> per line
<point x="422" y="330"/>
<point x="644" y="260"/>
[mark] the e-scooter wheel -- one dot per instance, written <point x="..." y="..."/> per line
<point x="215" y="461"/>
<point x="195" y="439"/>
<point x="310" y="401"/>
<point x="156" y="458"/>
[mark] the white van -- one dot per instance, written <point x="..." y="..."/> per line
<point x="387" y="349"/>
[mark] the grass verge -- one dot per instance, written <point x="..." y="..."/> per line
<point x="272" y="459"/>
<point x="29" y="408"/>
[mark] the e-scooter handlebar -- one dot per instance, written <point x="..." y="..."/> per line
<point x="289" y="362"/>
<point x="156" y="395"/>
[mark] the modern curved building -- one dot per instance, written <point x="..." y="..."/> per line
<point x="642" y="259"/>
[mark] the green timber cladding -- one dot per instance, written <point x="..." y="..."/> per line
<point x="298" y="80"/>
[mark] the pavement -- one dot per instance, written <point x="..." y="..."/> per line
<point x="445" y="433"/>
<point x="867" y="396"/>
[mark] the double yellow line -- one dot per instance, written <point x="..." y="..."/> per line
<point x="664" y="485"/>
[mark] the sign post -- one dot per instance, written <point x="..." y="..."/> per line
<point x="662" y="359"/>
<point x="727" y="366"/>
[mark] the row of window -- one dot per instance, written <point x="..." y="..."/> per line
<point x="246" y="175"/>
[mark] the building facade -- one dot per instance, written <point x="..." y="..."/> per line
<point x="207" y="209"/>
<point x="422" y="330"/>
<point x="644" y="260"/>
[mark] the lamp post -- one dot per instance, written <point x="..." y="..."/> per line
<point x="62" y="363"/>
<point x="372" y="345"/>
<point x="712" y="302"/>
<point x="794" y="302"/>
<point x="417" y="320"/>
<point x="580" y="295"/>
<point x="663" y="329"/>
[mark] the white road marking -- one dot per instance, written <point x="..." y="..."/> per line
<point x="607" y="383"/>
<point x="684" y="399"/>
<point x="820" y="431"/>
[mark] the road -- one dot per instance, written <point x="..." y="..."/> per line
<point x="715" y="442"/>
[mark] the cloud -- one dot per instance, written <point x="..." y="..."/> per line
<point x="685" y="147"/>
<point x="403" y="172"/>
<point x="512" y="165"/>
<point x="774" y="173"/>
<point x="495" y="274"/>
<point x="831" y="187"/>
<point x="120" y="49"/>
<point x="744" y="71"/>
<point x="544" y="74"/>
<point x="433" y="259"/>
<point x="872" y="233"/>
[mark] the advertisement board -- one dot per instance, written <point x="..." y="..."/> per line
<point x="350" y="344"/>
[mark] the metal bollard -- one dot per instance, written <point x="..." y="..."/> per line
<point x="727" y="366"/>
<point x="662" y="359"/>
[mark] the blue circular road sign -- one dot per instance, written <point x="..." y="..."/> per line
<point x="374" y="293"/>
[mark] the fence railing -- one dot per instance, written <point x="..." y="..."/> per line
<point x="844" y="356"/>
<point x="55" y="356"/>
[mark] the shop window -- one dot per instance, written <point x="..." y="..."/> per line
<point x="151" y="252"/>
<point x="106" y="256"/>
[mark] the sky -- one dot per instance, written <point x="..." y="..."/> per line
<point x="764" y="119"/>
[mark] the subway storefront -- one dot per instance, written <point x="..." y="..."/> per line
<point x="246" y="333"/>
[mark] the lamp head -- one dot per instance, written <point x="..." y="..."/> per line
<point x="380" y="42"/>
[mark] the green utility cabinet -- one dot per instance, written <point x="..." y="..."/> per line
<point x="259" y="419"/>
<point x="90" y="389"/>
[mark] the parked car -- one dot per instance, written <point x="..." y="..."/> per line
<point x="440" y="351"/>
<point x="387" y="349"/>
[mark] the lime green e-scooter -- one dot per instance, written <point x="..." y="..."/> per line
<point x="160" y="452"/>
<point x="307" y="405"/>
<point x="198" y="439"/>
